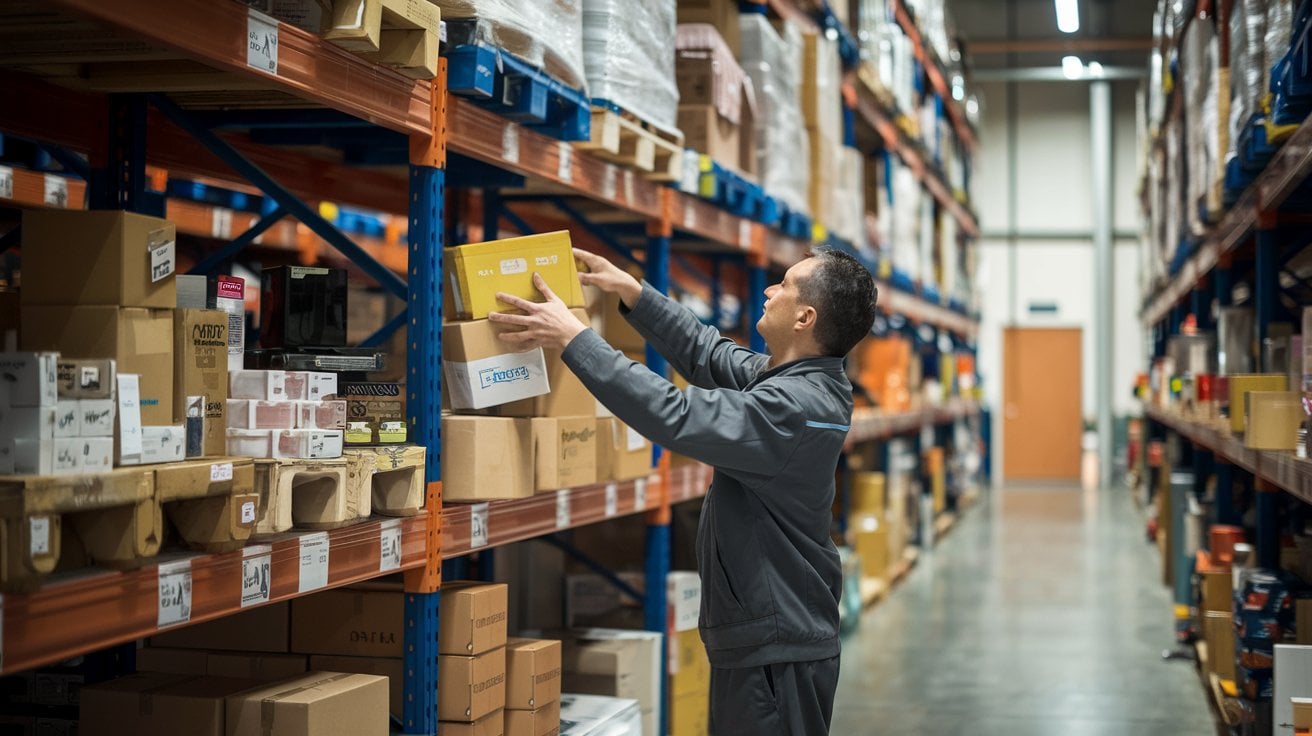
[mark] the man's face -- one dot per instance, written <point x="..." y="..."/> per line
<point x="783" y="306"/>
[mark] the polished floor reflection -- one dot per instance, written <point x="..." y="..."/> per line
<point x="1042" y="612"/>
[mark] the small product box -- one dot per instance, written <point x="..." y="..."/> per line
<point x="473" y="619"/>
<point x="162" y="444"/>
<point x="321" y="386"/>
<point x="486" y="458"/>
<point x="250" y="442"/>
<point x="200" y="368"/>
<point x="307" y="443"/>
<point x="68" y="455"/>
<point x="86" y="378"/>
<point x="68" y="420"/>
<point x="480" y="270"/>
<point x="34" y="456"/>
<point x="532" y="673"/>
<point x="257" y="414"/>
<point x="321" y="414"/>
<point x="97" y="417"/>
<point x="33" y="422"/>
<point x="375" y="412"/>
<point x="469" y="688"/>
<point x="101" y="257"/>
<point x="261" y="385"/>
<point x="564" y="452"/>
<point x="482" y="371"/>
<point x="29" y="379"/>
<point x="297" y="384"/>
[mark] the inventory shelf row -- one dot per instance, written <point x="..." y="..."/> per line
<point x="1283" y="469"/>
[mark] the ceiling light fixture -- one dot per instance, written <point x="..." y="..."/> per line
<point x="1095" y="70"/>
<point x="1068" y="15"/>
<point x="1072" y="67"/>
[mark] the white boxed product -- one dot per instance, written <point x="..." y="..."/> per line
<point x="296" y="385"/>
<point x="250" y="442"/>
<point x="33" y="456"/>
<point x="29" y="379"/>
<point x="97" y="417"/>
<point x="86" y="378"/>
<point x="683" y="599"/>
<point x="263" y="385"/>
<point x="68" y="454"/>
<point x="322" y="386"/>
<point x="7" y="457"/>
<point x="598" y="715"/>
<point x="33" y="422"/>
<point x="321" y="414"/>
<point x="165" y="444"/>
<point x="499" y="379"/>
<point x="307" y="443"/>
<point x="97" y="454"/>
<point x="68" y="420"/>
<point x="257" y="414"/>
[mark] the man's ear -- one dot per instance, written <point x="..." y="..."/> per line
<point x="806" y="317"/>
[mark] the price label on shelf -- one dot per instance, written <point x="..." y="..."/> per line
<point x="39" y="533"/>
<point x="510" y="144"/>
<point x="314" y="562"/>
<point x="256" y="574"/>
<point x="744" y="234"/>
<point x="565" y="168"/>
<point x="221" y="222"/>
<point x="628" y="185"/>
<point x="389" y="540"/>
<point x="56" y="191"/>
<point x="608" y="175"/>
<point x="689" y="215"/>
<point x="478" y="525"/>
<point x="612" y="499"/>
<point x="562" y="508"/>
<point x="261" y="42"/>
<point x="6" y="182"/>
<point x="174" y="593"/>
<point x="640" y="494"/>
<point x="220" y="472"/>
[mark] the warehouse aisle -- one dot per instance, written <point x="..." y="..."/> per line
<point x="1041" y="613"/>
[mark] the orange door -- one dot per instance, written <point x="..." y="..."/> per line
<point x="1042" y="418"/>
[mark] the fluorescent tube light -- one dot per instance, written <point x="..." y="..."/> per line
<point x="1072" y="67"/>
<point x="1068" y="16"/>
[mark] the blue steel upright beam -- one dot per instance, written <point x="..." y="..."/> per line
<point x="660" y="233"/>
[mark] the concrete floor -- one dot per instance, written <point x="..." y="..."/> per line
<point x="1042" y="612"/>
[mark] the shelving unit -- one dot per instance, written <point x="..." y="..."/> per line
<point x="203" y="125"/>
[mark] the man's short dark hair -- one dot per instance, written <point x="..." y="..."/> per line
<point x="843" y="294"/>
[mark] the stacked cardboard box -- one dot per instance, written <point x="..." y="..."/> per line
<point x="717" y="105"/>
<point x="293" y="414"/>
<point x="29" y="402"/>
<point x="823" y="112"/>
<point x="532" y="687"/>
<point x="617" y="663"/>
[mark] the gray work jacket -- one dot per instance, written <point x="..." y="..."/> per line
<point x="770" y="572"/>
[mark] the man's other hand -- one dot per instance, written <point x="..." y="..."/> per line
<point x="608" y="277"/>
<point x="546" y="324"/>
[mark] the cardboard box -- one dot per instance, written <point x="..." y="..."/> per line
<point x="96" y="417"/>
<point x="106" y="258"/>
<point x="564" y="452"/>
<point x="622" y="453"/>
<point x="616" y="329"/>
<point x="544" y="721"/>
<point x="33" y="456"/>
<point x="1215" y="586"/>
<point x="592" y="715"/>
<point x="1243" y="383"/>
<point x="262" y="667"/>
<point x="393" y="668"/>
<point x="1302" y="713"/>
<point x="690" y="714"/>
<point x="532" y="673"/>
<point x="486" y="458"/>
<point x="375" y="412"/>
<point x="1219" y="633"/>
<point x="868" y="492"/>
<point x="690" y="669"/>
<point x="568" y="396"/>
<point x="706" y="131"/>
<point x="200" y="368"/>
<point x="29" y="379"/>
<point x="483" y="371"/>
<point x="158" y="703"/>
<point x="139" y="340"/>
<point x="480" y="270"/>
<point x="492" y="724"/>
<point x="28" y="422"/>
<point x="312" y="705"/>
<point x="171" y="661"/>
<point x="262" y="629"/>
<point x="870" y="540"/>
<point x="469" y="688"/>
<point x="353" y="622"/>
<point x="618" y="663"/>
<point x="683" y="601"/>
<point x="1273" y="419"/>
<point x="723" y="14"/>
<point x="473" y="617"/>
<point x="86" y="379"/>
<point x="164" y="444"/>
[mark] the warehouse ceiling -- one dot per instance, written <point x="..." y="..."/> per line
<point x="1012" y="34"/>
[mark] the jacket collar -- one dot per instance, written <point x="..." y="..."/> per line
<point x="820" y="363"/>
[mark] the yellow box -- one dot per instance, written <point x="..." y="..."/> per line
<point x="1273" y="419"/>
<point x="690" y="714"/>
<point x="690" y="670"/>
<point x="868" y="492"/>
<point x="480" y="270"/>
<point x="870" y="541"/>
<point x="1241" y="384"/>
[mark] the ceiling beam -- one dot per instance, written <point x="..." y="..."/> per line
<point x="995" y="47"/>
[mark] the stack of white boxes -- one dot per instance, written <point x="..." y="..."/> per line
<point x="85" y="416"/>
<point x="56" y="416"/>
<point x="291" y="414"/>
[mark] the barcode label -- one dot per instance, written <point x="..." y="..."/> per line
<point x="389" y="552"/>
<point x="56" y="191"/>
<point x="220" y="472"/>
<point x="6" y="182"/>
<point x="256" y="566"/>
<point x="478" y="525"/>
<point x="314" y="562"/>
<point x="562" y="508"/>
<point x="640" y="493"/>
<point x="565" y="170"/>
<point x="612" y="499"/>
<point x="510" y="144"/>
<point x="261" y="42"/>
<point x="174" y="593"/>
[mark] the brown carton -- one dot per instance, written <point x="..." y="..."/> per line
<point x="1273" y="419"/>
<point x="262" y="629"/>
<point x="723" y="14"/>
<point x="564" y="452"/>
<point x="622" y="453"/>
<point x="616" y="663"/>
<point x="486" y="458"/>
<point x="568" y="396"/>
<point x="141" y="340"/>
<point x="492" y="724"/>
<point x="616" y="329"/>
<point x="544" y="721"/>
<point x="261" y="667"/>
<point x="171" y="661"/>
<point x="393" y="668"/>
<point x="473" y="617"/>
<point x="469" y="688"/>
<point x="314" y="704"/>
<point x="158" y="703"/>
<point x="200" y="369"/>
<point x="706" y="131"/>
<point x="107" y="258"/>
<point x="690" y="714"/>
<point x="360" y="623"/>
<point x="532" y="673"/>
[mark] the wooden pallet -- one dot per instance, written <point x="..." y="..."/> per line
<point x="116" y="519"/>
<point x="625" y="140"/>
<point x="393" y="477"/>
<point x="402" y="34"/>
<point x="307" y="494"/>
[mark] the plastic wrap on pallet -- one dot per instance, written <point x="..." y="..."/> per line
<point x="703" y="40"/>
<point x="1276" y="41"/>
<point x="1172" y="216"/>
<point x="545" y="33"/>
<point x="848" y="212"/>
<point x="1156" y="95"/>
<point x="626" y="55"/>
<point x="950" y="256"/>
<point x="1198" y="59"/>
<point x="822" y="75"/>
<point x="872" y="23"/>
<point x="773" y="62"/>
<point x="905" y="231"/>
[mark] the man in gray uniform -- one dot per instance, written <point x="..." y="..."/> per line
<point x="772" y="426"/>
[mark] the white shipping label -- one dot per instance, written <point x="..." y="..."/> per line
<point x="389" y="550"/>
<point x="221" y="222"/>
<point x="628" y="185"/>
<point x="513" y="265"/>
<point x="129" y="415"/>
<point x="314" y="561"/>
<point x="689" y="215"/>
<point x="499" y="379"/>
<point x="248" y="512"/>
<point x="510" y="144"/>
<point x="608" y="176"/>
<point x="744" y="234"/>
<point x="220" y="472"/>
<point x="256" y="569"/>
<point x="478" y="525"/>
<point x="56" y="191"/>
<point x="565" y="167"/>
<point x="163" y="261"/>
<point x="6" y="182"/>
<point x="612" y="499"/>
<point x="261" y="42"/>
<point x="174" y="593"/>
<point x="640" y="494"/>
<point x="562" y="508"/>
<point x="633" y="441"/>
<point x="39" y="531"/>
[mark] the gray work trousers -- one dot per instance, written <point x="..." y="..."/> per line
<point x="787" y="699"/>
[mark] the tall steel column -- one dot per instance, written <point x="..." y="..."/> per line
<point x="1100" y="114"/>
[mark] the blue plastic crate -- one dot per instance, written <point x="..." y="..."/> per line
<point x="501" y="81"/>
